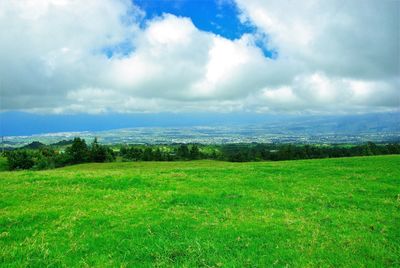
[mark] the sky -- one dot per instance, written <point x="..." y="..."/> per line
<point x="102" y="57"/>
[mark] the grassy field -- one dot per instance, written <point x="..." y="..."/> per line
<point x="329" y="212"/>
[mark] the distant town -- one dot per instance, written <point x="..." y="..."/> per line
<point x="206" y="135"/>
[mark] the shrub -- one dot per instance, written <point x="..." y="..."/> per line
<point x="78" y="152"/>
<point x="99" y="153"/>
<point x="20" y="159"/>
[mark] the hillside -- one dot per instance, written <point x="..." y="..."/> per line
<point x="327" y="212"/>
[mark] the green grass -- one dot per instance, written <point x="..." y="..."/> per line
<point x="329" y="212"/>
<point x="3" y="164"/>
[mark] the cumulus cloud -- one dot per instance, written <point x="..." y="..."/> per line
<point x="347" y="52"/>
<point x="333" y="56"/>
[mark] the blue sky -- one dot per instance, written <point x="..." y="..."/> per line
<point x="219" y="17"/>
<point x="99" y="59"/>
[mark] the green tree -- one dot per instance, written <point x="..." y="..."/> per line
<point x="98" y="153"/>
<point x="78" y="152"/>
<point x="194" y="152"/>
<point x="20" y="159"/>
<point x="158" y="156"/>
<point x="148" y="154"/>
<point x="183" y="152"/>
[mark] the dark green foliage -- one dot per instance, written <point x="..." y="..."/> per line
<point x="45" y="158"/>
<point x="20" y="159"/>
<point x="34" y="145"/>
<point x="147" y="154"/>
<point x="194" y="152"/>
<point x="42" y="162"/>
<point x="131" y="153"/>
<point x="236" y="153"/>
<point x="78" y="152"/>
<point x="62" y="159"/>
<point x="157" y="155"/>
<point x="160" y="153"/>
<point x="99" y="153"/>
<point x="250" y="152"/>
<point x="62" y="143"/>
<point x="183" y="152"/>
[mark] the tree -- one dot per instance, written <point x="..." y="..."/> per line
<point x="194" y="152"/>
<point x="78" y="151"/>
<point x="20" y="159"/>
<point x="158" y="156"/>
<point x="393" y="148"/>
<point x="45" y="158"/>
<point x="148" y="154"/>
<point x="97" y="152"/>
<point x="373" y="148"/>
<point x="183" y="152"/>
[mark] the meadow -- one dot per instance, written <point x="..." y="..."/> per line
<point x="323" y="212"/>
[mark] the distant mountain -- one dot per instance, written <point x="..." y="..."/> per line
<point x="62" y="143"/>
<point x="34" y="145"/>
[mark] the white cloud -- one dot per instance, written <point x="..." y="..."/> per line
<point x="348" y="38"/>
<point x="336" y="44"/>
<point x="333" y="56"/>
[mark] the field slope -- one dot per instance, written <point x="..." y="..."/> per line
<point x="329" y="212"/>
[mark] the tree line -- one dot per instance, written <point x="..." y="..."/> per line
<point x="46" y="157"/>
<point x="259" y="152"/>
